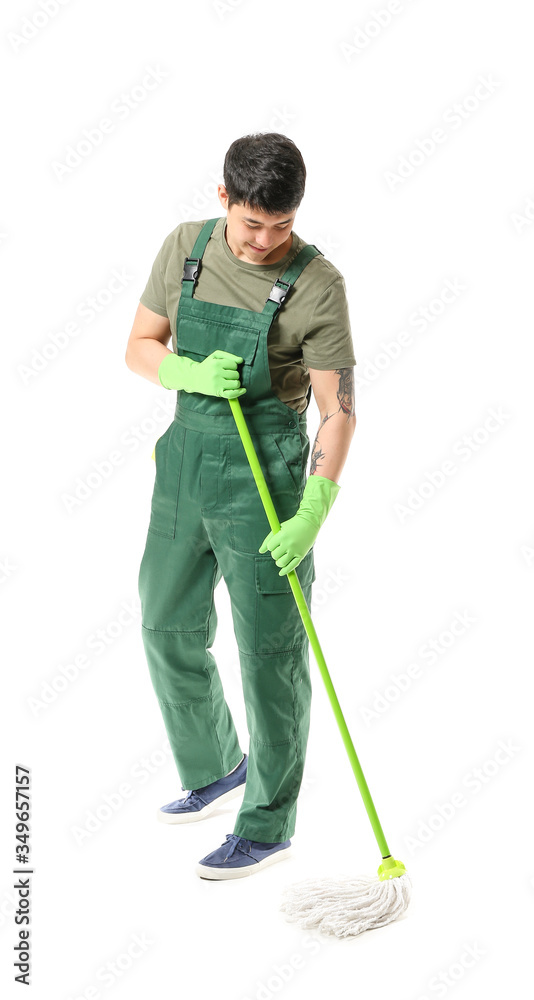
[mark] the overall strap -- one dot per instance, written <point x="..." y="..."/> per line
<point x="282" y="286"/>
<point x="193" y="263"/>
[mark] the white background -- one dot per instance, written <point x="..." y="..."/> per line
<point x="357" y="95"/>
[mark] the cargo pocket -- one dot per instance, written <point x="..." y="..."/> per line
<point x="278" y="622"/>
<point x="197" y="341"/>
<point x="249" y="524"/>
<point x="288" y="450"/>
<point x="168" y="458"/>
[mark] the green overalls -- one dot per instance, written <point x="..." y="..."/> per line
<point x="207" y="521"/>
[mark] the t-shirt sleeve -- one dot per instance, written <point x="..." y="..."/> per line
<point x="327" y="343"/>
<point x="154" y="296"/>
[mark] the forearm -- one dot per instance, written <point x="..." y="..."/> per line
<point x="332" y="443"/>
<point x="144" y="357"/>
<point x="334" y="394"/>
<point x="297" y="535"/>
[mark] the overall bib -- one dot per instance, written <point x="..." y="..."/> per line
<point x="207" y="521"/>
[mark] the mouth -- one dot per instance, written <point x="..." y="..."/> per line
<point x="257" y="249"/>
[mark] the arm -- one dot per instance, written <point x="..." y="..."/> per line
<point x="146" y="354"/>
<point x="334" y="394"/>
<point x="147" y="342"/>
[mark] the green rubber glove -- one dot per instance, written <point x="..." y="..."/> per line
<point x="297" y="535"/>
<point x="217" y="375"/>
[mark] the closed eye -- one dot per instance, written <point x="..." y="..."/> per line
<point x="283" y="226"/>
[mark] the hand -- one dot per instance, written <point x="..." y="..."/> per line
<point x="217" y="375"/>
<point x="297" y="535"/>
<point x="289" y="545"/>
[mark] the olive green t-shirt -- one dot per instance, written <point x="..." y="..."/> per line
<point x="312" y="328"/>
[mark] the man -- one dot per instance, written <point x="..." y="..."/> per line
<point x="218" y="288"/>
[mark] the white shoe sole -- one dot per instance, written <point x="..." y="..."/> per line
<point x="226" y="873"/>
<point x="194" y="817"/>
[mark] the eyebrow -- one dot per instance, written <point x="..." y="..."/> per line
<point x="256" y="221"/>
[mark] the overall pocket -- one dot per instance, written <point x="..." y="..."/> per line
<point x="278" y="623"/>
<point x="197" y="340"/>
<point x="288" y="448"/>
<point x="249" y="523"/>
<point x="168" y="458"/>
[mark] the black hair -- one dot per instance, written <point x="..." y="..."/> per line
<point x="265" y="171"/>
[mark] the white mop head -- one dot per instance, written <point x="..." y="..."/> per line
<point x="347" y="906"/>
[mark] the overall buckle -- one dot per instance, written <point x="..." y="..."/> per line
<point x="278" y="294"/>
<point x="192" y="267"/>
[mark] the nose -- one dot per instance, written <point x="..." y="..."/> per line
<point x="262" y="239"/>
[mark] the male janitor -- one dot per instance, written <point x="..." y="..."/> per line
<point x="253" y="311"/>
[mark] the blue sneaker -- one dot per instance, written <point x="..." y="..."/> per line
<point x="238" y="857"/>
<point x="200" y="802"/>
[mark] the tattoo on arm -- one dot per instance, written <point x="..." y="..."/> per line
<point x="345" y="395"/>
<point x="317" y="453"/>
<point x="345" y="390"/>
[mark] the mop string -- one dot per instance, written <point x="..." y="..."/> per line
<point x="310" y="628"/>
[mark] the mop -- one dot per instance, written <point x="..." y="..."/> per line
<point x="342" y="906"/>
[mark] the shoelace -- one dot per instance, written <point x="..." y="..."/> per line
<point x="190" y="797"/>
<point x="236" y="842"/>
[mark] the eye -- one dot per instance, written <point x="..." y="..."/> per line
<point x="283" y="226"/>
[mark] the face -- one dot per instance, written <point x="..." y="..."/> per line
<point x="254" y="236"/>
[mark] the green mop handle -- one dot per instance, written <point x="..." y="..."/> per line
<point x="310" y="629"/>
